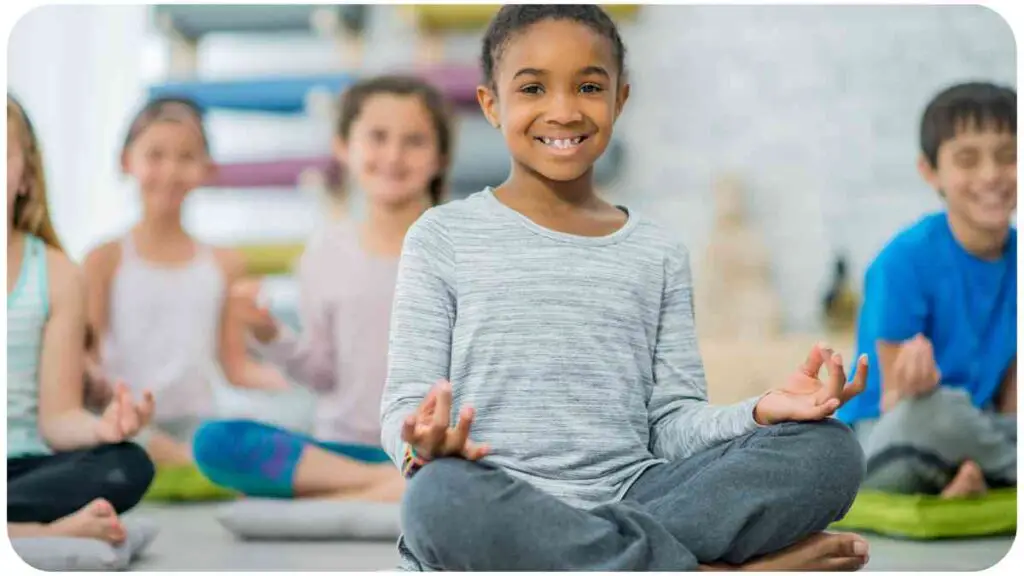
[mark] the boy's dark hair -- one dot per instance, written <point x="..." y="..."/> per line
<point x="980" y="104"/>
<point x="355" y="97"/>
<point x="163" y="108"/>
<point x="513" y="18"/>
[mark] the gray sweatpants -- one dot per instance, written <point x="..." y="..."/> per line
<point x="918" y="446"/>
<point x="737" y="501"/>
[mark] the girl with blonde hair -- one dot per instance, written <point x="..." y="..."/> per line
<point x="69" y="472"/>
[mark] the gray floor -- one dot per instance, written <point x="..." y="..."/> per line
<point x="190" y="539"/>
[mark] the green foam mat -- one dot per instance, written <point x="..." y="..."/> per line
<point x="926" y="517"/>
<point x="185" y="484"/>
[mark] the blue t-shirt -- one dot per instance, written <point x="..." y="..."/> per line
<point x="924" y="282"/>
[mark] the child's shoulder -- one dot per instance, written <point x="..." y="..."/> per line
<point x="104" y="257"/>
<point x="470" y="211"/>
<point x="658" y="239"/>
<point x="913" y="242"/>
<point x="64" y="275"/>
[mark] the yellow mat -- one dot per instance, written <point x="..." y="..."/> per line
<point x="449" y="17"/>
<point x="270" y="259"/>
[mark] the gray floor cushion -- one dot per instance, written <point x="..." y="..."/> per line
<point x="55" y="554"/>
<point x="61" y="554"/>
<point x="308" y="519"/>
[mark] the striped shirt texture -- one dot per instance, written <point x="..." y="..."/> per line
<point x="579" y="354"/>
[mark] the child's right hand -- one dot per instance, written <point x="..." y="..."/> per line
<point x="244" y="306"/>
<point x="915" y="369"/>
<point x="430" y="434"/>
<point x="123" y="418"/>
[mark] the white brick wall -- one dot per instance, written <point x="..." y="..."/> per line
<point x="816" y="107"/>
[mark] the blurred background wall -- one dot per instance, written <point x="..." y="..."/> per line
<point x="811" y="112"/>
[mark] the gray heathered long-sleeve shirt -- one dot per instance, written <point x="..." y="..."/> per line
<point x="579" y="354"/>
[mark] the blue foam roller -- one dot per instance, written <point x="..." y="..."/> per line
<point x="285" y="95"/>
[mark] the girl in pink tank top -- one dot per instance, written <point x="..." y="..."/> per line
<point x="156" y="297"/>
<point x="394" y="139"/>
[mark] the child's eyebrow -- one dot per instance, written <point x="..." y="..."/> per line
<point x="528" y="72"/>
<point x="585" y="71"/>
<point x="598" y="70"/>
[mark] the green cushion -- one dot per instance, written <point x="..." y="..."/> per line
<point x="927" y="517"/>
<point x="184" y="484"/>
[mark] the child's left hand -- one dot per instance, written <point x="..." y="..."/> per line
<point x="805" y="397"/>
<point x="123" y="418"/>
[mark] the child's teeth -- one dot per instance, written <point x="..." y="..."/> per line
<point x="563" y="143"/>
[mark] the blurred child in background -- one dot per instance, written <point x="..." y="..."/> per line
<point x="939" y="319"/>
<point x="394" y="138"/>
<point x="69" y="473"/>
<point x="157" y="297"/>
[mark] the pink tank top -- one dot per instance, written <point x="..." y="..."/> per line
<point x="163" y="330"/>
<point x="342" y="352"/>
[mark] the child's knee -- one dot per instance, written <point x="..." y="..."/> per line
<point x="209" y="439"/>
<point x="937" y="417"/>
<point x="830" y="456"/>
<point x="126" y="474"/>
<point x="215" y="438"/>
<point x="439" y="503"/>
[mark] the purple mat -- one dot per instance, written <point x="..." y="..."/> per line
<point x="273" y="173"/>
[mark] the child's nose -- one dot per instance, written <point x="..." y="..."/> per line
<point x="564" y="109"/>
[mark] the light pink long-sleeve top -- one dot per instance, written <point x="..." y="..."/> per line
<point x="345" y="300"/>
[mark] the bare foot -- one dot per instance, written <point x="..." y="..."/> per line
<point x="823" y="552"/>
<point x="97" y="520"/>
<point x="969" y="481"/>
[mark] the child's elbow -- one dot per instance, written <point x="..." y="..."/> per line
<point x="52" y="426"/>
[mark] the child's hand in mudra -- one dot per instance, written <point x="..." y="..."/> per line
<point x="805" y="397"/>
<point x="430" y="434"/>
<point x="123" y="418"/>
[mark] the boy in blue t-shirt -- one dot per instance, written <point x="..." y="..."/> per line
<point x="939" y="319"/>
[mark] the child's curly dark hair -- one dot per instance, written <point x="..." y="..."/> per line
<point x="513" y="18"/>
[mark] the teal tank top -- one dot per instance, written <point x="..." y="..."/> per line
<point x="28" y="307"/>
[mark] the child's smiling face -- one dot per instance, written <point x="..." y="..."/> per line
<point x="556" y="95"/>
<point x="977" y="173"/>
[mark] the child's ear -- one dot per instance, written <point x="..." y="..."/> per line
<point x="928" y="173"/>
<point x="340" y="148"/>
<point x="621" y="95"/>
<point x="124" y="162"/>
<point x="488" y="103"/>
<point x="211" y="169"/>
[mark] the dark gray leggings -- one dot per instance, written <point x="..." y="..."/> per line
<point x="46" y="488"/>
<point x="737" y="501"/>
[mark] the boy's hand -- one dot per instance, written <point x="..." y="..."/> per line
<point x="244" y="305"/>
<point x="914" y="370"/>
<point x="429" y="432"/>
<point x="805" y="397"/>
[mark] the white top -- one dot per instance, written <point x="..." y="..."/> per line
<point x="164" y="328"/>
